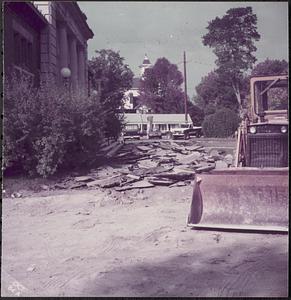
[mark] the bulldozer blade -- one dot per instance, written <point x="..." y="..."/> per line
<point x="244" y="199"/>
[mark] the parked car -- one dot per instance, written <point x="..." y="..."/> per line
<point x="185" y="131"/>
<point x="131" y="132"/>
<point x="155" y="134"/>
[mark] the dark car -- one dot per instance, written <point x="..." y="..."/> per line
<point x="131" y="132"/>
<point x="155" y="134"/>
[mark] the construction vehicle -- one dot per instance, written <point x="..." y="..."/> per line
<point x="253" y="194"/>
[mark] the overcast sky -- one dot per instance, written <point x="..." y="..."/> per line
<point x="166" y="29"/>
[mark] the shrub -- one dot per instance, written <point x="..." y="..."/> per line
<point x="196" y="114"/>
<point x="49" y="128"/>
<point x="222" y="123"/>
<point x="20" y="122"/>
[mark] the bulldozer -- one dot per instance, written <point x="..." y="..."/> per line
<point x="251" y="195"/>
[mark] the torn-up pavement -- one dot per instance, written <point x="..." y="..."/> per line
<point x="151" y="163"/>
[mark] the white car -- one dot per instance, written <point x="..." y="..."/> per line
<point x="185" y="131"/>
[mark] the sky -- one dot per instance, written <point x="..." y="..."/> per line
<point x="167" y="29"/>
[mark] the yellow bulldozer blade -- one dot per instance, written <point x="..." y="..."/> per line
<point x="244" y="199"/>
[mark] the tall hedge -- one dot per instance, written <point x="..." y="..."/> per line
<point x="223" y="123"/>
<point x="49" y="128"/>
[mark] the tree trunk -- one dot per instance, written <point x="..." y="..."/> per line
<point x="238" y="97"/>
<point x="237" y="93"/>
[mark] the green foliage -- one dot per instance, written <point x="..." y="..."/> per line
<point x="270" y="67"/>
<point x="49" y="128"/>
<point x="232" y="38"/>
<point x="116" y="78"/>
<point x="223" y="123"/>
<point x="196" y="114"/>
<point x="161" y="88"/>
<point x="214" y="92"/>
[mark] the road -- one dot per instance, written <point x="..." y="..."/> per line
<point x="100" y="242"/>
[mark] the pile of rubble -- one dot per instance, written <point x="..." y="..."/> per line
<point x="147" y="164"/>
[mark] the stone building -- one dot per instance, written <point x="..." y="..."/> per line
<point x="55" y="36"/>
<point x="23" y="25"/>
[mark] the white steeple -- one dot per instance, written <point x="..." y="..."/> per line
<point x="145" y="65"/>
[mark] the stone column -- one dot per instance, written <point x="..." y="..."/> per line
<point x="63" y="40"/>
<point x="81" y="63"/>
<point x="74" y="63"/>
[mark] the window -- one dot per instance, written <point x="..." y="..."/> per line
<point x="271" y="95"/>
<point x="132" y="127"/>
<point x="162" y="127"/>
<point x="23" y="56"/>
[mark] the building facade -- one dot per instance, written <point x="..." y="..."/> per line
<point x="54" y="35"/>
<point x="161" y="122"/>
<point x="23" y="25"/>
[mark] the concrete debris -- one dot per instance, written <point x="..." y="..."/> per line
<point x="147" y="164"/>
<point x="60" y="186"/>
<point x="205" y="168"/>
<point x="177" y="175"/>
<point x="78" y="185"/>
<point x="44" y="187"/>
<point x="160" y="181"/>
<point x="83" y="178"/>
<point x="31" y="268"/>
<point x="133" y="176"/>
<point x="16" y="195"/>
<point x="106" y="183"/>
<point x="214" y="154"/>
<point x="190" y="158"/>
<point x="144" y="148"/>
<point x="166" y="160"/>
<point x="220" y="164"/>
<point x="228" y="159"/>
<point x="155" y="170"/>
<point x="194" y="148"/>
<point x="136" y="185"/>
<point x="180" y="183"/>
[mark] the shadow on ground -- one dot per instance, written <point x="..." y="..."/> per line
<point x="261" y="272"/>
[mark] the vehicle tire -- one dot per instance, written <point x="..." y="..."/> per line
<point x="186" y="136"/>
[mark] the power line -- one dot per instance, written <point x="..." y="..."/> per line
<point x="195" y="61"/>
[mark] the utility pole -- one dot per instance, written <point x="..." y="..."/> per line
<point x="185" y="81"/>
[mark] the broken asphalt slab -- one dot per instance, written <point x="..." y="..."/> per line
<point x="137" y="185"/>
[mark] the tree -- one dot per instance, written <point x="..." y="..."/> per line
<point x="116" y="77"/>
<point x="161" y="88"/>
<point x="232" y="38"/>
<point x="213" y="93"/>
<point x="223" y="123"/>
<point x="270" y="67"/>
<point x="196" y="114"/>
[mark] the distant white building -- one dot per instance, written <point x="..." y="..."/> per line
<point x="131" y="96"/>
<point x="162" y="122"/>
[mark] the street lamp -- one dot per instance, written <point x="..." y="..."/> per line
<point x="94" y="93"/>
<point x="66" y="74"/>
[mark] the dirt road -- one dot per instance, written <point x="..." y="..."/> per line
<point x="136" y="243"/>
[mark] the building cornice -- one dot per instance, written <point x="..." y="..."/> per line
<point x="82" y="20"/>
<point x="27" y="10"/>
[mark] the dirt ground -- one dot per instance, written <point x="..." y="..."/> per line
<point x="136" y="243"/>
<point x="101" y="242"/>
